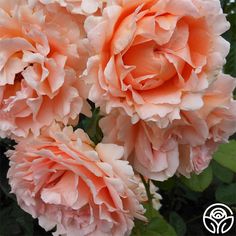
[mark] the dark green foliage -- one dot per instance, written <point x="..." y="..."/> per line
<point x="5" y="144"/>
<point x="157" y="226"/>
<point x="91" y="126"/>
<point x="226" y="194"/>
<point x="198" y="183"/>
<point x="230" y="68"/>
<point x="178" y="223"/>
<point x="229" y="7"/>
<point x="223" y="174"/>
<point x="226" y="155"/>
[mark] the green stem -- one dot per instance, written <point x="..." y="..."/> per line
<point x="147" y="188"/>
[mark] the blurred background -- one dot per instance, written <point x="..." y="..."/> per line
<point x="184" y="200"/>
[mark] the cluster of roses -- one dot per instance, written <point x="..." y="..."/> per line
<point x="154" y="67"/>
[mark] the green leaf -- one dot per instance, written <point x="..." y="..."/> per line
<point x="161" y="227"/>
<point x="25" y="221"/>
<point x="226" y="194"/>
<point x="157" y="226"/>
<point x="16" y="221"/>
<point x="226" y="155"/>
<point x="178" y="223"/>
<point x="8" y="226"/>
<point x="149" y="233"/>
<point x="198" y="183"/>
<point x="150" y="211"/>
<point x="223" y="174"/>
<point x="166" y="185"/>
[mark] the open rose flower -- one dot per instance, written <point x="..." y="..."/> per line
<point x="65" y="181"/>
<point x="152" y="150"/>
<point x="185" y="146"/>
<point x="42" y="54"/>
<point x="83" y="7"/>
<point x="154" y="58"/>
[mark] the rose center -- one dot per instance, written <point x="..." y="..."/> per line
<point x="152" y="65"/>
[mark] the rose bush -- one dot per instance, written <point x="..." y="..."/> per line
<point x="151" y="71"/>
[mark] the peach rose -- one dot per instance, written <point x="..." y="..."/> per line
<point x="154" y="58"/>
<point x="185" y="146"/>
<point x="42" y="53"/>
<point x="66" y="181"/>
<point x="83" y="7"/>
<point x="151" y="150"/>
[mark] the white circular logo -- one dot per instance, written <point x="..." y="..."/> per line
<point x="218" y="218"/>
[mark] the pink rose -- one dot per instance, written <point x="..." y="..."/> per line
<point x="64" y="180"/>
<point x="154" y="58"/>
<point x="83" y="7"/>
<point x="195" y="158"/>
<point x="42" y="55"/>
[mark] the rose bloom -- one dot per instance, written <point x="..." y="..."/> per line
<point x="146" y="51"/>
<point x="83" y="7"/>
<point x="42" y="54"/>
<point x="185" y="146"/>
<point x="152" y="151"/>
<point x="64" y="180"/>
